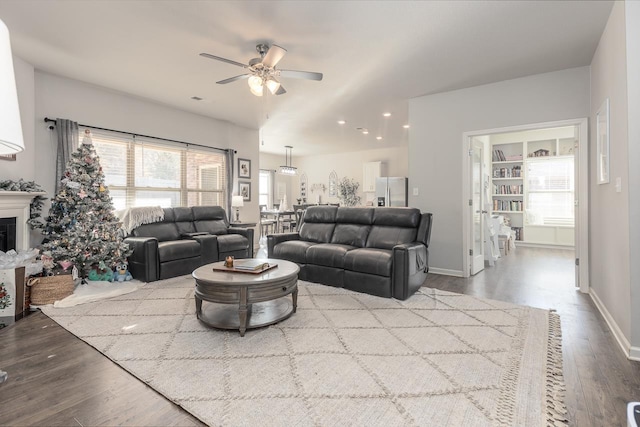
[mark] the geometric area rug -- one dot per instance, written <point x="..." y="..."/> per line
<point x="344" y="358"/>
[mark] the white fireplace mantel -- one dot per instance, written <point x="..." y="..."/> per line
<point x="15" y="204"/>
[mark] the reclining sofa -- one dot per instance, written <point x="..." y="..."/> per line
<point x="184" y="240"/>
<point x="379" y="251"/>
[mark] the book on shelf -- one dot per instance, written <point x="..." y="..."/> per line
<point x="498" y="156"/>
<point x="250" y="264"/>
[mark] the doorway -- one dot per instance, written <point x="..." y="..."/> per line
<point x="526" y="186"/>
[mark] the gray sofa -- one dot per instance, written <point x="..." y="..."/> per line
<point x="186" y="239"/>
<point x="379" y="251"/>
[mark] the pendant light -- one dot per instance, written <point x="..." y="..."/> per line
<point x="288" y="168"/>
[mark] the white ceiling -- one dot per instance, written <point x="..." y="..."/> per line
<point x="375" y="55"/>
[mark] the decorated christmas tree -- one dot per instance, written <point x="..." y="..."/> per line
<point x="82" y="229"/>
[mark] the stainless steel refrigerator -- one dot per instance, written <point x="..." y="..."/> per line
<point x="392" y="191"/>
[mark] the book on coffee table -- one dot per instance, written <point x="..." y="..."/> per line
<point x="250" y="264"/>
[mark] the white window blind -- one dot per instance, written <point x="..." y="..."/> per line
<point x="550" y="194"/>
<point x="144" y="171"/>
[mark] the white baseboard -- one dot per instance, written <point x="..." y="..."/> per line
<point x="445" y="272"/>
<point x="525" y="244"/>
<point x="623" y="342"/>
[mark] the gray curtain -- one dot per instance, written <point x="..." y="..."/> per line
<point x="230" y="175"/>
<point x="67" y="131"/>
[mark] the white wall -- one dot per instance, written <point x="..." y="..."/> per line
<point x="609" y="210"/>
<point x="436" y="144"/>
<point x="24" y="166"/>
<point x="632" y="14"/>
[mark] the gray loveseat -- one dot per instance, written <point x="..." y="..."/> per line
<point x="186" y="239"/>
<point x="379" y="251"/>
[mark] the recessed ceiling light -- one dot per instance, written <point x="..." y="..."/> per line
<point x="386" y="114"/>
<point x="197" y="98"/>
<point x="406" y="126"/>
<point x="341" y="122"/>
<point x="365" y="132"/>
<point x="378" y="138"/>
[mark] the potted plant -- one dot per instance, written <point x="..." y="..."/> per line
<point x="347" y="192"/>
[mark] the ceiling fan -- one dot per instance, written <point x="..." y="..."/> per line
<point x="262" y="71"/>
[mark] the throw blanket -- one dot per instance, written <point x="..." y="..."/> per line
<point x="134" y="217"/>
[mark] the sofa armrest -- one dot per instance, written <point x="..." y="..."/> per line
<point x="246" y="232"/>
<point x="143" y="261"/>
<point x="410" y="267"/>
<point x="208" y="247"/>
<point x="274" y="239"/>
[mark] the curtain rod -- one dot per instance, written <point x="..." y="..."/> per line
<point x="48" y="120"/>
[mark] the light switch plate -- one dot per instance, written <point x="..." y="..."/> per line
<point x="415" y="191"/>
<point x="618" y="185"/>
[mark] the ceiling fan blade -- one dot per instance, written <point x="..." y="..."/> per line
<point x="228" y="61"/>
<point x="307" y="75"/>
<point x="280" y="91"/>
<point x="273" y="56"/>
<point x="233" y="79"/>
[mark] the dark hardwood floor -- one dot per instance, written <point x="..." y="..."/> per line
<point x="57" y="379"/>
<point x="600" y="380"/>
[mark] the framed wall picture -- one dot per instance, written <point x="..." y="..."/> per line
<point x="244" y="168"/>
<point x="244" y="188"/>
<point x="602" y="134"/>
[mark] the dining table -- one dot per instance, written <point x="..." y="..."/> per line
<point x="279" y="216"/>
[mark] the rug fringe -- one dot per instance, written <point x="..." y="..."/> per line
<point x="555" y="389"/>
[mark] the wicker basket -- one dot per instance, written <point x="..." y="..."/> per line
<point x="49" y="289"/>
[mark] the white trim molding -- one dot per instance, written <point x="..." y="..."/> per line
<point x="446" y="272"/>
<point x="16" y="204"/>
<point x="632" y="353"/>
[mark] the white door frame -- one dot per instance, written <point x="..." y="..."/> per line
<point x="582" y="191"/>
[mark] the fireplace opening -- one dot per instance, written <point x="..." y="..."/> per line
<point x="7" y="234"/>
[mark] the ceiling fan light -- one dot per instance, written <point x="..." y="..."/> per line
<point x="255" y="84"/>
<point x="257" y="91"/>
<point x="273" y="85"/>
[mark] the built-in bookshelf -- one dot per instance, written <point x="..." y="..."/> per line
<point x="507" y="179"/>
<point x="510" y="161"/>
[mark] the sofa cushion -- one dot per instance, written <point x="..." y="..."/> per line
<point x="178" y="249"/>
<point x="212" y="219"/>
<point x="351" y="234"/>
<point x="163" y="231"/>
<point x="232" y="242"/>
<point x="317" y="232"/>
<point x="321" y="214"/>
<point x="386" y="237"/>
<point x="393" y="226"/>
<point x="397" y="217"/>
<point x="328" y="254"/>
<point x="369" y="260"/>
<point x="319" y="223"/>
<point x="184" y="220"/>
<point x="355" y="216"/>
<point x="292" y="250"/>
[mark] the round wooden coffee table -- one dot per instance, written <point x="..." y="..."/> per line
<point x="243" y="300"/>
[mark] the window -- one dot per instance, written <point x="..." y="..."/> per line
<point x="265" y="191"/>
<point x="550" y="196"/>
<point x="147" y="172"/>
